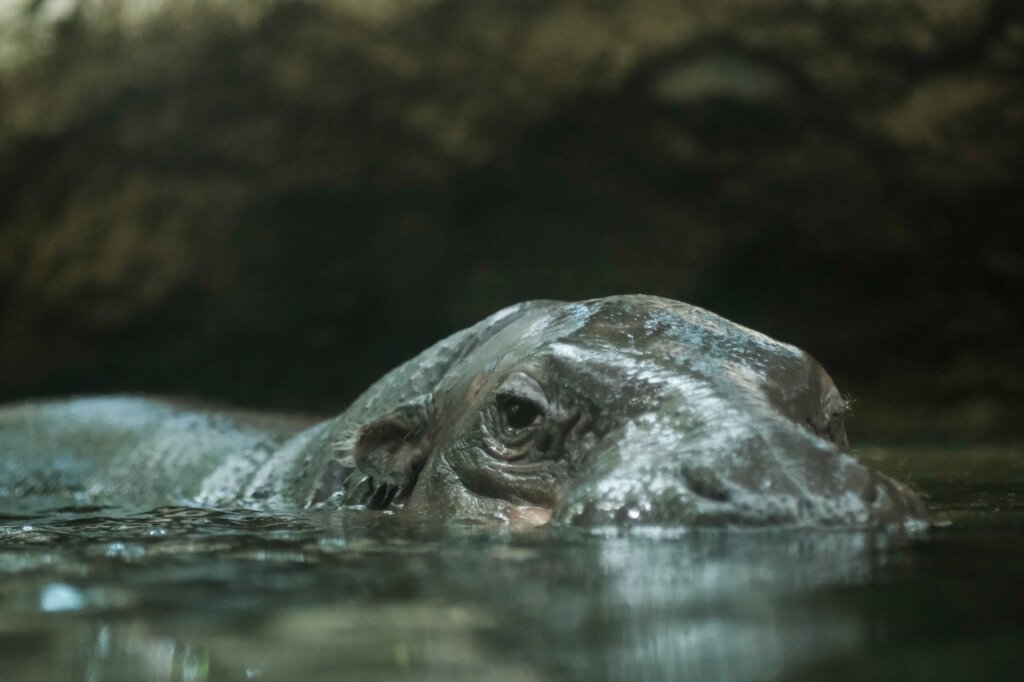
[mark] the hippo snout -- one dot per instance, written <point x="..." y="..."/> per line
<point x="769" y="473"/>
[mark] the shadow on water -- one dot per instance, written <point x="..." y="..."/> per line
<point x="105" y="594"/>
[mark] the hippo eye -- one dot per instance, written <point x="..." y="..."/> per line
<point x="517" y="412"/>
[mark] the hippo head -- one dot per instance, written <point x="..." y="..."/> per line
<point x="628" y="410"/>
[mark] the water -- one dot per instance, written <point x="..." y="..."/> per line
<point x="174" y="594"/>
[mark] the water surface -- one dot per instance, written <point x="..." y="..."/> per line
<point x="173" y="594"/>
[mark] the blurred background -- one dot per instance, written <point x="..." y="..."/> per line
<point x="271" y="202"/>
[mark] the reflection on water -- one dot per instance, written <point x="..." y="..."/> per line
<point x="175" y="594"/>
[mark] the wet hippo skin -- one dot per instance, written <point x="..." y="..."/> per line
<point x="626" y="410"/>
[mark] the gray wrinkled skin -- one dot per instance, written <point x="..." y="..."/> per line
<point x="630" y="410"/>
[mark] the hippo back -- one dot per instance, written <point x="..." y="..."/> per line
<point x="128" y="448"/>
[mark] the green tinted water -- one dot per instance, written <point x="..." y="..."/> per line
<point x="103" y="594"/>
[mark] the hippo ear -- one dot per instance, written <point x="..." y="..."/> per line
<point x="393" y="448"/>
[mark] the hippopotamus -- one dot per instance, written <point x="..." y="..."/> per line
<point x="620" y="411"/>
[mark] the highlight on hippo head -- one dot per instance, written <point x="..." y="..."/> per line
<point x="630" y="410"/>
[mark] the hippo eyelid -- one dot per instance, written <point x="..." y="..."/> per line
<point x="523" y="386"/>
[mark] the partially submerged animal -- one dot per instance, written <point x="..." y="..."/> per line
<point x="626" y="410"/>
